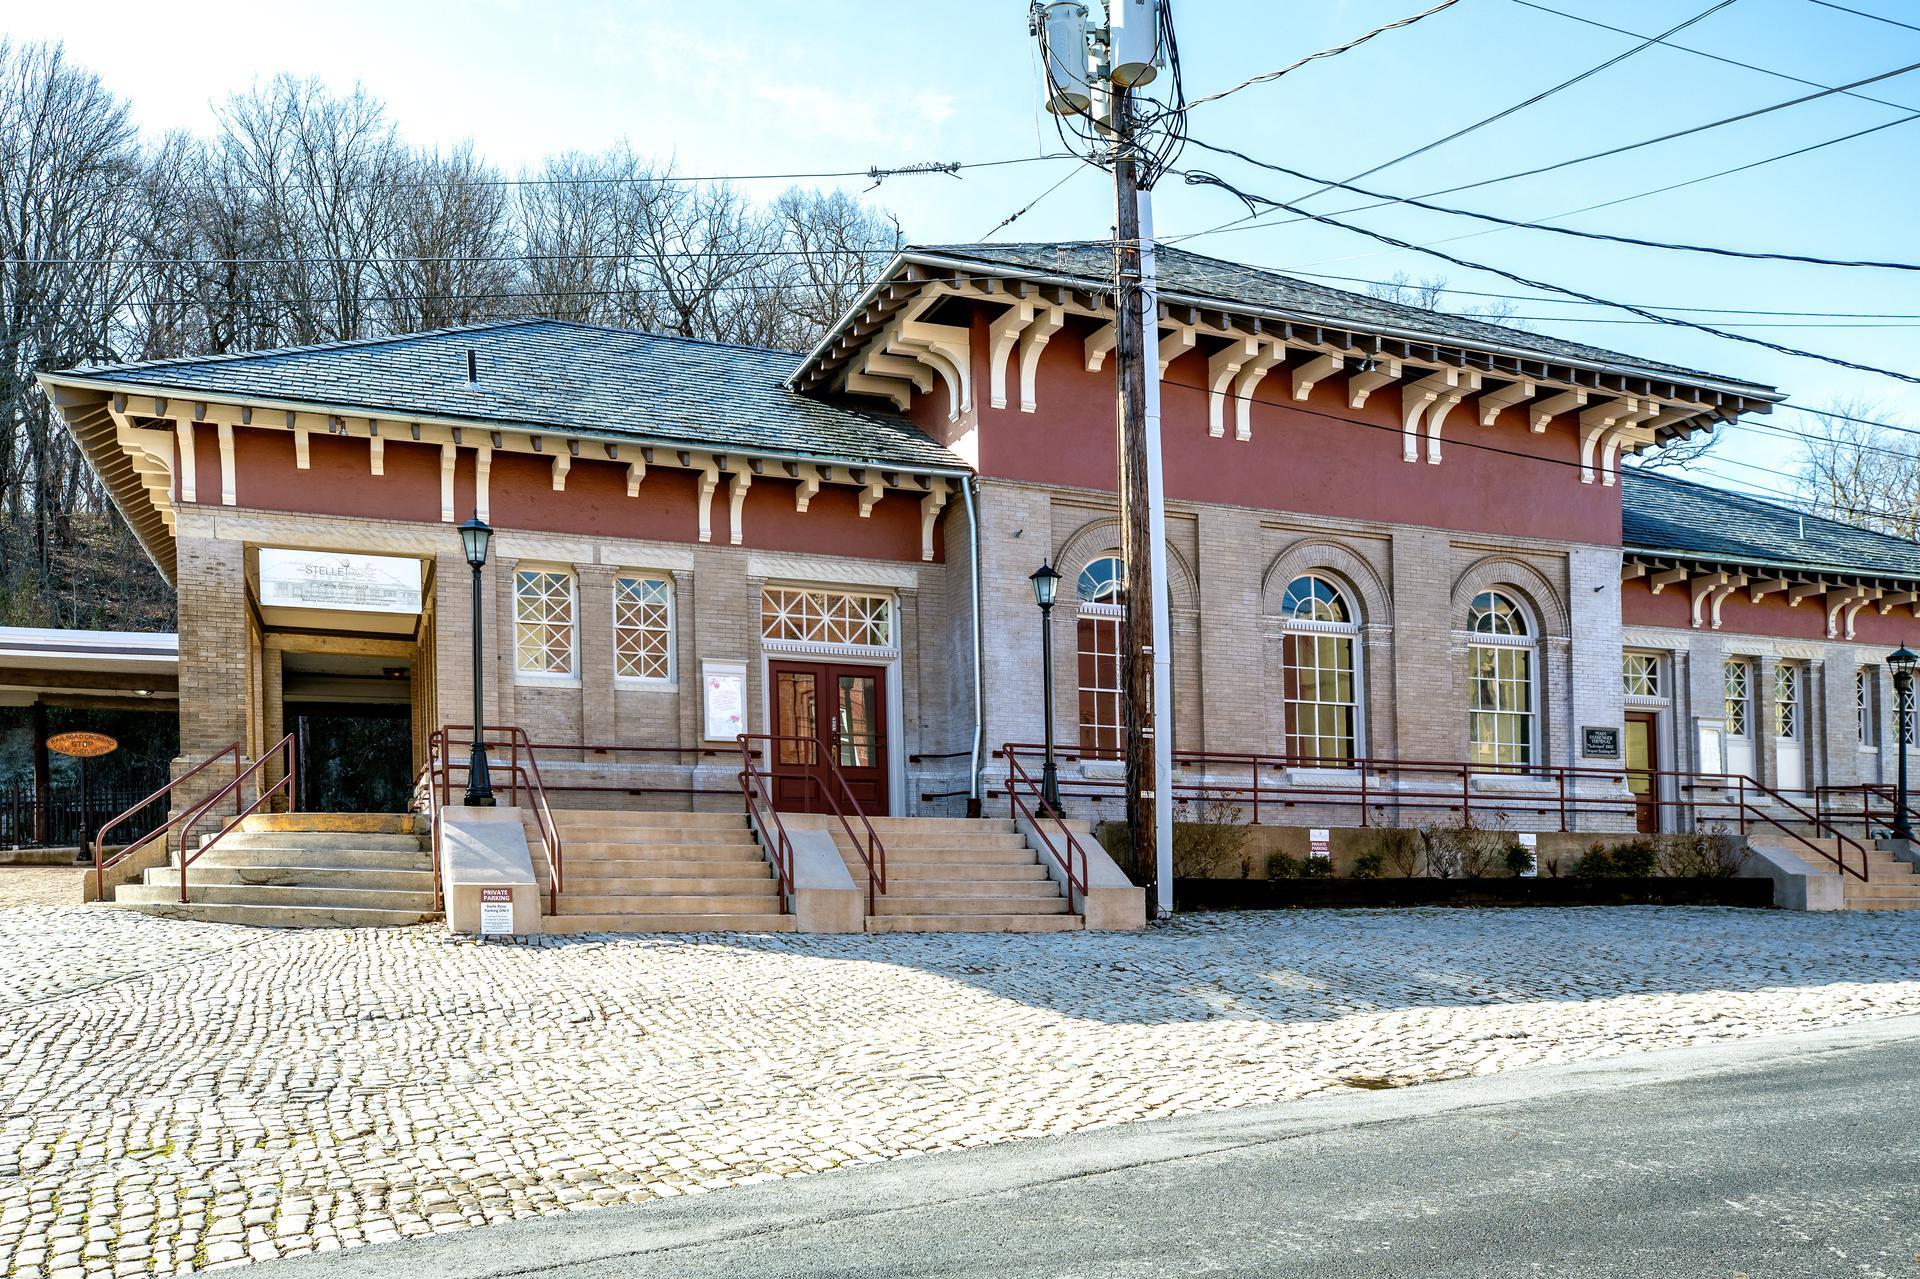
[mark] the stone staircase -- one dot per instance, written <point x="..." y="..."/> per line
<point x="300" y="870"/>
<point x="627" y="872"/>
<point x="957" y="874"/>
<point x="1891" y="884"/>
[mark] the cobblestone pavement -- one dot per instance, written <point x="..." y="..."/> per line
<point x="40" y="886"/>
<point x="178" y="1095"/>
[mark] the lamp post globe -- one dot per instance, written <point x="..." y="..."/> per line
<point x="1046" y="585"/>
<point x="475" y="537"/>
<point x="1902" y="662"/>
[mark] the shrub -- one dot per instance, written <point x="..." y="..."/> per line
<point x="1399" y="850"/>
<point x="1702" y="854"/>
<point x="1595" y="863"/>
<point x="1282" y="866"/>
<point x="1520" y="859"/>
<point x="1636" y="859"/>
<point x="1370" y="865"/>
<point x="1209" y="837"/>
<point x="1316" y="868"/>
<point x="1462" y="848"/>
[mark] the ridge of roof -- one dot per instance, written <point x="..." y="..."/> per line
<point x="1341" y="306"/>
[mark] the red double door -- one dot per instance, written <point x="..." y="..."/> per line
<point x="825" y="711"/>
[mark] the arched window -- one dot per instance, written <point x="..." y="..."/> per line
<point x="1500" y="708"/>
<point x="1102" y="597"/>
<point x="1320" y="672"/>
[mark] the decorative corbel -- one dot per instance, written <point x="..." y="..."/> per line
<point x="709" y="481"/>
<point x="1701" y="587"/>
<point x="1542" y="412"/>
<point x="808" y="486"/>
<point x="1098" y="343"/>
<point x="1003" y="332"/>
<point x="1838" y="600"/>
<point x="1853" y="610"/>
<point x="1309" y="375"/>
<point x="1251" y="375"/>
<point x="1492" y="403"/>
<point x="1415" y="399"/>
<point x="1805" y="590"/>
<point x="736" y="502"/>
<point x="376" y="455"/>
<point x="1033" y="340"/>
<point x="1595" y="423"/>
<point x="1444" y="404"/>
<point x="483" y="482"/>
<point x="1223" y="366"/>
<point x="562" y="463"/>
<point x="930" y="507"/>
<point x="1369" y="377"/>
<point x="636" y="472"/>
<point x="1175" y="344"/>
<point x="224" y="432"/>
<point x="448" y="455"/>
<point x="1667" y="577"/>
<point x="870" y="495"/>
<point x="189" y="462"/>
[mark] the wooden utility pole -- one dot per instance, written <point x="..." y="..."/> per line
<point x="1133" y="361"/>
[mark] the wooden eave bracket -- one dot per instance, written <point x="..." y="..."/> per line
<point x="1313" y="372"/>
<point x="1663" y="578"/>
<point x="1710" y="591"/>
<point x="1174" y="344"/>
<point x="1250" y="376"/>
<point x="1098" y="344"/>
<point x="930" y="507"/>
<point x="1431" y="399"/>
<point x="709" y="481"/>
<point x="809" y="477"/>
<point x="1223" y="366"/>
<point x="1033" y="340"/>
<point x="1370" y="376"/>
<point x="1492" y="403"/>
<point x="1003" y="334"/>
<point x="736" y="503"/>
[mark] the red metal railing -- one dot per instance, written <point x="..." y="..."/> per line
<point x="1018" y="778"/>
<point x="1447" y="786"/>
<point x="872" y="852"/>
<point x="764" y="816"/>
<point x="1874" y="804"/>
<point x="513" y="739"/>
<point x="102" y="863"/>
<point x="283" y="751"/>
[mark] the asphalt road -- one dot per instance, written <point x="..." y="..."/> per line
<point x="1769" y="1158"/>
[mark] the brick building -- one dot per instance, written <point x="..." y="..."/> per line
<point x="1393" y="535"/>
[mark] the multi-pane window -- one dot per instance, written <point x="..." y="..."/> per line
<point x="643" y="628"/>
<point x="1786" y="701"/>
<point x="1102" y="596"/>
<point x="1865" y="722"/>
<point x="826" y="617"/>
<point x="1641" y="674"/>
<point x="1738" y="697"/>
<point x="1319" y="671"/>
<point x="1500" y="671"/>
<point x="543" y="611"/>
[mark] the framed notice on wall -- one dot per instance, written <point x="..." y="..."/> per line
<point x="723" y="700"/>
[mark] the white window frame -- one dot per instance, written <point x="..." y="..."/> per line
<point x="1350" y="631"/>
<point x="571" y="676"/>
<point x="1494" y="640"/>
<point x="1745" y="701"/>
<point x="1648" y="675"/>
<point x="1866" y="706"/>
<point x="1108" y="612"/>
<point x="671" y="678"/>
<point x="1791" y="673"/>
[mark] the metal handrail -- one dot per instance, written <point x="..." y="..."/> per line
<point x="518" y="775"/>
<point x="284" y="748"/>
<point x="1865" y="814"/>
<point x="426" y="784"/>
<point x="873" y="853"/>
<point x="1373" y="786"/>
<point x="101" y="862"/>
<point x="755" y="795"/>
<point x="1016" y="807"/>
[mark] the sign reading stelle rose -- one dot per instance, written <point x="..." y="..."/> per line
<point x="496" y="912"/>
<point x="338" y="581"/>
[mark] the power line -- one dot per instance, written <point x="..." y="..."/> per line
<point x="1337" y="49"/>
<point x="1208" y="179"/>
<point x="1703" y="53"/>
<point x="1655" y="306"/>
<point x="1862" y="13"/>
<point x="1021" y="212"/>
<point x="1418" y="203"/>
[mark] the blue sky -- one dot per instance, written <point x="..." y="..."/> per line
<point x="753" y="86"/>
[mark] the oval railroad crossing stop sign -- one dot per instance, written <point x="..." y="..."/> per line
<point x="82" y="745"/>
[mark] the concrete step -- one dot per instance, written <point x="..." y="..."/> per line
<point x="970" y="856"/>
<point x="336" y="823"/>
<point x="666" y="885"/>
<point x="295" y="876"/>
<point x="327" y="898"/>
<point x="948" y="841"/>
<point x="654" y="835"/>
<point x="960" y="825"/>
<point x="316" y="858"/>
<point x="759" y="922"/>
<point x="280" y="916"/>
<point x="975" y="872"/>
<point x="625" y="817"/>
<point x="975" y="923"/>
<point x="583" y="870"/>
<point x="316" y="839"/>
<point x="576" y="903"/>
<point x="1000" y="889"/>
<point x="718" y="853"/>
<point x="971" y="905"/>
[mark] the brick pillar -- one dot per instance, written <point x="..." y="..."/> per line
<point x="1017" y="532"/>
<point x="1837" y="761"/>
<point x="1429" y="675"/>
<point x="595" y="656"/>
<point x="686" y="639"/>
<point x="213" y="645"/>
<point x="1231" y="646"/>
<point x="1765" y="749"/>
<point x="1596" y="692"/>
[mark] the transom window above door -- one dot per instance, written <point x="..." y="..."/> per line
<point x="843" y="618"/>
<point x="1641" y="675"/>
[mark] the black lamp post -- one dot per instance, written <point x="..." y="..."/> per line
<point x="1901" y="662"/>
<point x="1046" y="583"/>
<point x="474" y="537"/>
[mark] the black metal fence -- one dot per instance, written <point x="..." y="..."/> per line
<point x="59" y="819"/>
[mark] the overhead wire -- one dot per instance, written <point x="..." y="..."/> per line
<point x="1862" y="13"/>
<point x="1335" y="50"/>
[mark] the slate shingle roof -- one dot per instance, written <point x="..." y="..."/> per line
<point x="1233" y="284"/>
<point x="1662" y="514"/>
<point x="560" y="376"/>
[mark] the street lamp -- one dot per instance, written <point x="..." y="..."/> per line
<point x="1046" y="583"/>
<point x="474" y="537"/>
<point x="1901" y="662"/>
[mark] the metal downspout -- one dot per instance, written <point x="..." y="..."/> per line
<point x="979" y="671"/>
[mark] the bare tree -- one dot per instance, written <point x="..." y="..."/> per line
<point x="1862" y="473"/>
<point x="1430" y="294"/>
<point x="451" y="258"/>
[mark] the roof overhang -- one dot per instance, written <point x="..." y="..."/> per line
<point x="1710" y="581"/>
<point x="120" y="665"/>
<point x="1621" y="408"/>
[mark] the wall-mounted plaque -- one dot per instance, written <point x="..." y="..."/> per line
<point x="723" y="698"/>
<point x="339" y="581"/>
<point x="1600" y="743"/>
